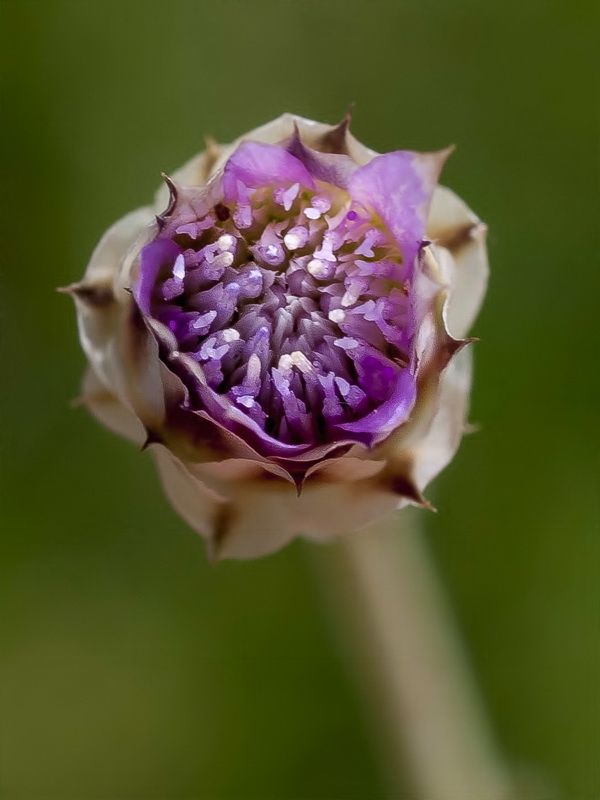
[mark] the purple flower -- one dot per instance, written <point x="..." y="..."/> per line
<point x="285" y="335"/>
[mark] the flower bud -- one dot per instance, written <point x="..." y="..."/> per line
<point x="282" y="330"/>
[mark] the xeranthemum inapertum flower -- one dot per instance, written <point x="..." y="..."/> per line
<point x="284" y="330"/>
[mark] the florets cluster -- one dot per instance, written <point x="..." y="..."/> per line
<point x="292" y="297"/>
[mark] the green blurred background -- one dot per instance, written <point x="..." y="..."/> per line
<point x="130" y="667"/>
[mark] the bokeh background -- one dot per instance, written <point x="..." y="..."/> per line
<point x="130" y="667"/>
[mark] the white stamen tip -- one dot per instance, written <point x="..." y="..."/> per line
<point x="254" y="367"/>
<point x="337" y="315"/>
<point x="225" y="259"/>
<point x="245" y="400"/>
<point x="291" y="241"/>
<point x="301" y="361"/>
<point x="312" y="213"/>
<point x="296" y="237"/>
<point x="350" y="297"/>
<point x="225" y="242"/>
<point x="204" y="320"/>
<point x="343" y="386"/>
<point x="179" y="267"/>
<point x="346" y="343"/>
<point x="319" y="269"/>
<point x="285" y="362"/>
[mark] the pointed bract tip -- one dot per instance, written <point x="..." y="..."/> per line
<point x="212" y="148"/>
<point x="211" y="154"/>
<point x="173" y="195"/>
<point x="404" y="486"/>
<point x="458" y="344"/>
<point x="94" y="296"/>
<point x="451" y="346"/>
<point x="296" y="136"/>
<point x="172" y="186"/>
<point x="335" y="140"/>
<point x="295" y="145"/>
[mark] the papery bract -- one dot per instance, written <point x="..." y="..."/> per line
<point x="282" y="329"/>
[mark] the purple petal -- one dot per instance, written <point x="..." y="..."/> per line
<point x="375" y="426"/>
<point x="256" y="164"/>
<point x="398" y="187"/>
<point x="154" y="256"/>
<point x="332" y="168"/>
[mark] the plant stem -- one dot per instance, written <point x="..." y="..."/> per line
<point x="437" y="734"/>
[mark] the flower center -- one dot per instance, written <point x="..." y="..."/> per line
<point x="293" y="301"/>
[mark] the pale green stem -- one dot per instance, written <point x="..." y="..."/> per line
<point x="434" y="727"/>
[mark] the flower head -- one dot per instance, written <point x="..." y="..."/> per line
<point x="282" y="334"/>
